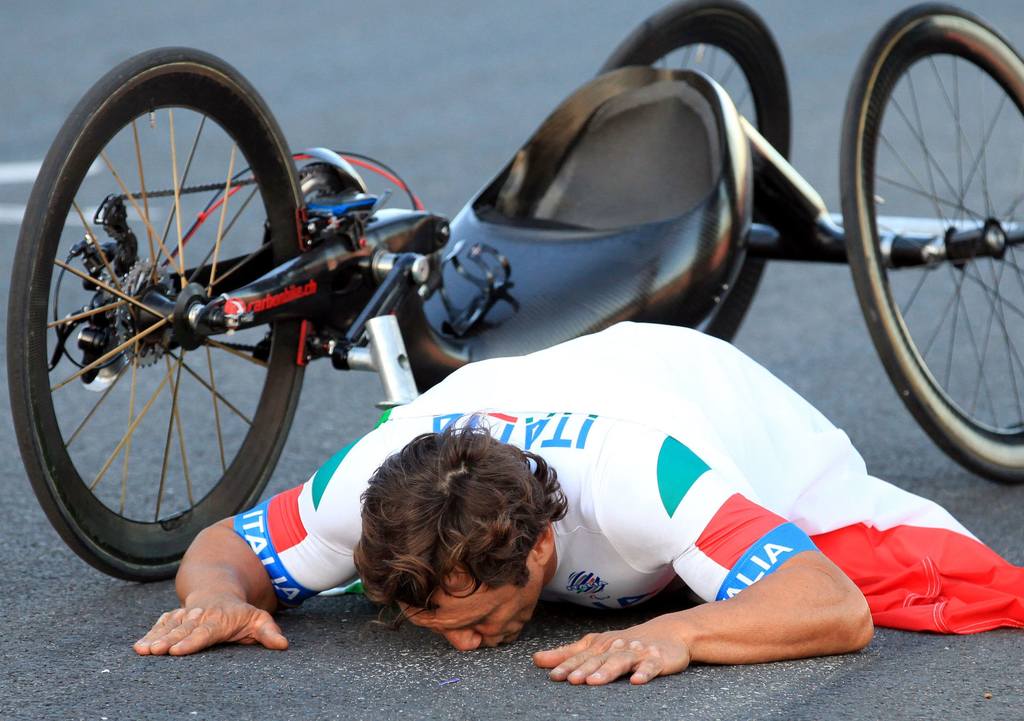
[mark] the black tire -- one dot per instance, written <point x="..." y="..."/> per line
<point x="188" y="81"/>
<point x="738" y="31"/>
<point x="992" y="448"/>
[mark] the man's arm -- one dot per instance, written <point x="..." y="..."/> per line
<point x="808" y="607"/>
<point x="225" y="596"/>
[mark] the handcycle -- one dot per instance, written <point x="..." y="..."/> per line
<point x="656" y="192"/>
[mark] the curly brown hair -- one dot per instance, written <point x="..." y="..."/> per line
<point x="459" y="501"/>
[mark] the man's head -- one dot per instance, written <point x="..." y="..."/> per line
<point x="456" y="530"/>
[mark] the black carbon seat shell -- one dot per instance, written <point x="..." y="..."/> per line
<point x="571" y="280"/>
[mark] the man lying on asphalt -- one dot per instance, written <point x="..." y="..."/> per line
<point x="601" y="472"/>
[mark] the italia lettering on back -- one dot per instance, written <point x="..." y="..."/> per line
<point x="554" y="430"/>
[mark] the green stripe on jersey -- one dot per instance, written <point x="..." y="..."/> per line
<point x="326" y="472"/>
<point x="383" y="417"/>
<point x="678" y="469"/>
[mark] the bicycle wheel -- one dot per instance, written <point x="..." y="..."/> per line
<point x="933" y="142"/>
<point x="132" y="444"/>
<point x="720" y="37"/>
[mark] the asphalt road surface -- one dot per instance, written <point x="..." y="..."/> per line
<point x="446" y="91"/>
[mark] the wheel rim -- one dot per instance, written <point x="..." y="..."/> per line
<point x="959" y="326"/>
<point x="96" y="461"/>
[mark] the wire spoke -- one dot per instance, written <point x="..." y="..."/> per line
<point x="961" y="137"/>
<point x="95" y="407"/>
<point x="943" y="315"/>
<point x="925" y="194"/>
<point x="984" y="159"/>
<point x="235" y="352"/>
<point x="220" y="396"/>
<point x="728" y="74"/>
<point x="96" y="244"/>
<point x="128" y="194"/>
<point x="913" y="295"/>
<point x="984" y="144"/>
<point x="952" y="335"/>
<point x="920" y="189"/>
<point x="216" y="409"/>
<point x="176" y="415"/>
<point x="145" y="196"/>
<point x="929" y="160"/>
<point x="184" y="179"/>
<point x="1011" y="350"/>
<point x="177" y="196"/>
<point x="746" y="94"/>
<point x="227" y="230"/>
<point x="220" y="224"/>
<point x="959" y="154"/>
<point x="85" y="314"/>
<point x="166" y="455"/>
<point x="1020" y="181"/>
<point x="128" y="446"/>
<point x="128" y="435"/>
<point x="981" y="359"/>
<point x="1005" y="304"/>
<point x="997" y="277"/>
<point x="1016" y="268"/>
<point x="687" y="55"/>
<point x="99" y="283"/>
<point x="243" y="262"/>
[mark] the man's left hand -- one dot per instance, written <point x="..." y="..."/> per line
<point x="643" y="651"/>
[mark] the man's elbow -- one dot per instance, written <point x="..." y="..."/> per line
<point x="854" y="627"/>
<point x="859" y="628"/>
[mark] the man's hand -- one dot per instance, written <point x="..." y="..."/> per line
<point x="226" y="597"/>
<point x="643" y="651"/>
<point x="193" y="628"/>
<point x="806" y="608"/>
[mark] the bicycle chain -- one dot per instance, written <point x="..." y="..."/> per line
<point x="239" y="346"/>
<point x="185" y="191"/>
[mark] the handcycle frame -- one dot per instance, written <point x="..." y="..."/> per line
<point x="798" y="228"/>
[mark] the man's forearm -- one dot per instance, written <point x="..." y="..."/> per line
<point x="806" y="608"/>
<point x="219" y="564"/>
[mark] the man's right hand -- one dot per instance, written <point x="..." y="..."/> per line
<point x="195" y="627"/>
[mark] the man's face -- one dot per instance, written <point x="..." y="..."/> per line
<point x="488" y="616"/>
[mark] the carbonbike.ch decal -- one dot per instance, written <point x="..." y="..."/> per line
<point x="288" y="295"/>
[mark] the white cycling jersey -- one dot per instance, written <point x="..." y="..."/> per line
<point x="678" y="455"/>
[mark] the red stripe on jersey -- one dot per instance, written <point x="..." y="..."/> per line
<point x="503" y="417"/>
<point x="284" y="521"/>
<point x="737" y="525"/>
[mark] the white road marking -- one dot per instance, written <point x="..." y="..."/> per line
<point x="13" y="213"/>
<point x="26" y="172"/>
<point x="19" y="172"/>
